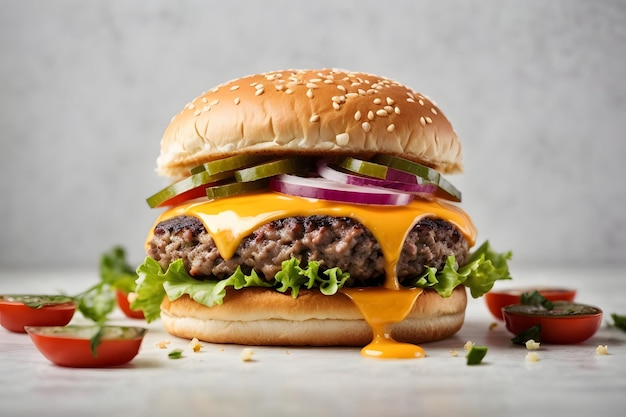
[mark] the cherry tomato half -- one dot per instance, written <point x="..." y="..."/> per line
<point x="122" y="302"/>
<point x="566" y="323"/>
<point x="70" y="346"/>
<point x="17" y="311"/>
<point x="496" y="299"/>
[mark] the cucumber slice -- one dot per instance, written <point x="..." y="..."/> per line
<point x="430" y="175"/>
<point x="271" y="169"/>
<point x="230" y="163"/>
<point x="185" y="189"/>
<point x="234" y="188"/>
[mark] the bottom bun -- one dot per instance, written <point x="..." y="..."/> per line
<point x="256" y="316"/>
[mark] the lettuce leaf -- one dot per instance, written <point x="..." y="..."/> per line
<point x="293" y="277"/>
<point x="483" y="268"/>
<point x="154" y="283"/>
<point x="149" y="287"/>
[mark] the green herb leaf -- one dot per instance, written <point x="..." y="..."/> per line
<point x="175" y="354"/>
<point x="97" y="302"/>
<point x="619" y="321"/>
<point x="476" y="354"/>
<point x="115" y="270"/>
<point x="95" y="341"/>
<point x="533" y="333"/>
<point x="536" y="299"/>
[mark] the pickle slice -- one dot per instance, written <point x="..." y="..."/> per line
<point x="234" y="188"/>
<point x="405" y="165"/>
<point x="369" y="169"/>
<point x="229" y="163"/>
<point x="272" y="168"/>
<point x="430" y="175"/>
<point x="185" y="189"/>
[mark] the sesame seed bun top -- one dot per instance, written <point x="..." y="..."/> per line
<point x="313" y="112"/>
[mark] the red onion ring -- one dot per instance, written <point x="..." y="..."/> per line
<point x="325" y="189"/>
<point x="326" y="171"/>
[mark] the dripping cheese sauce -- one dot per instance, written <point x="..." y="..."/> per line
<point x="230" y="220"/>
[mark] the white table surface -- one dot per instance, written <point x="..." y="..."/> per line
<point x="568" y="380"/>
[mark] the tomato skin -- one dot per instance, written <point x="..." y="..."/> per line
<point x="124" y="305"/>
<point x="497" y="299"/>
<point x="14" y="315"/>
<point x="558" y="329"/>
<point x="73" y="352"/>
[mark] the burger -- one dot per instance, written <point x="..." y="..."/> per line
<point x="309" y="207"/>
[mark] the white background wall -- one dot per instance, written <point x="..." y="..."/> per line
<point x="535" y="89"/>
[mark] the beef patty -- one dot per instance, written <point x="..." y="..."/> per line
<point x="332" y="241"/>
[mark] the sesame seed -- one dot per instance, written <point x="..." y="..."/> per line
<point x="234" y="87"/>
<point x="314" y="118"/>
<point x="341" y="87"/>
<point x="279" y="87"/>
<point x="258" y="86"/>
<point x="410" y="100"/>
<point x="315" y="80"/>
<point x="259" y="92"/>
<point x="214" y="102"/>
<point x="370" y="115"/>
<point x="361" y="91"/>
<point x="338" y="99"/>
<point x="366" y="126"/>
<point x="352" y="95"/>
<point x="433" y="111"/>
<point x="309" y="93"/>
<point x="377" y="101"/>
<point x="420" y="101"/>
<point x="289" y="91"/>
<point x="388" y="109"/>
<point x="342" y="139"/>
<point x="410" y="95"/>
<point x="382" y="113"/>
<point x="253" y="84"/>
<point x="197" y="113"/>
<point x="204" y="100"/>
<point x="327" y="81"/>
<point x="312" y="85"/>
<point x="206" y="108"/>
<point x="355" y="84"/>
<point x="423" y="121"/>
<point x="336" y="106"/>
<point x="390" y="101"/>
<point x="428" y="119"/>
<point x="237" y="100"/>
<point x="357" y="116"/>
<point x="391" y="128"/>
<point x="371" y="91"/>
<point x="190" y="106"/>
